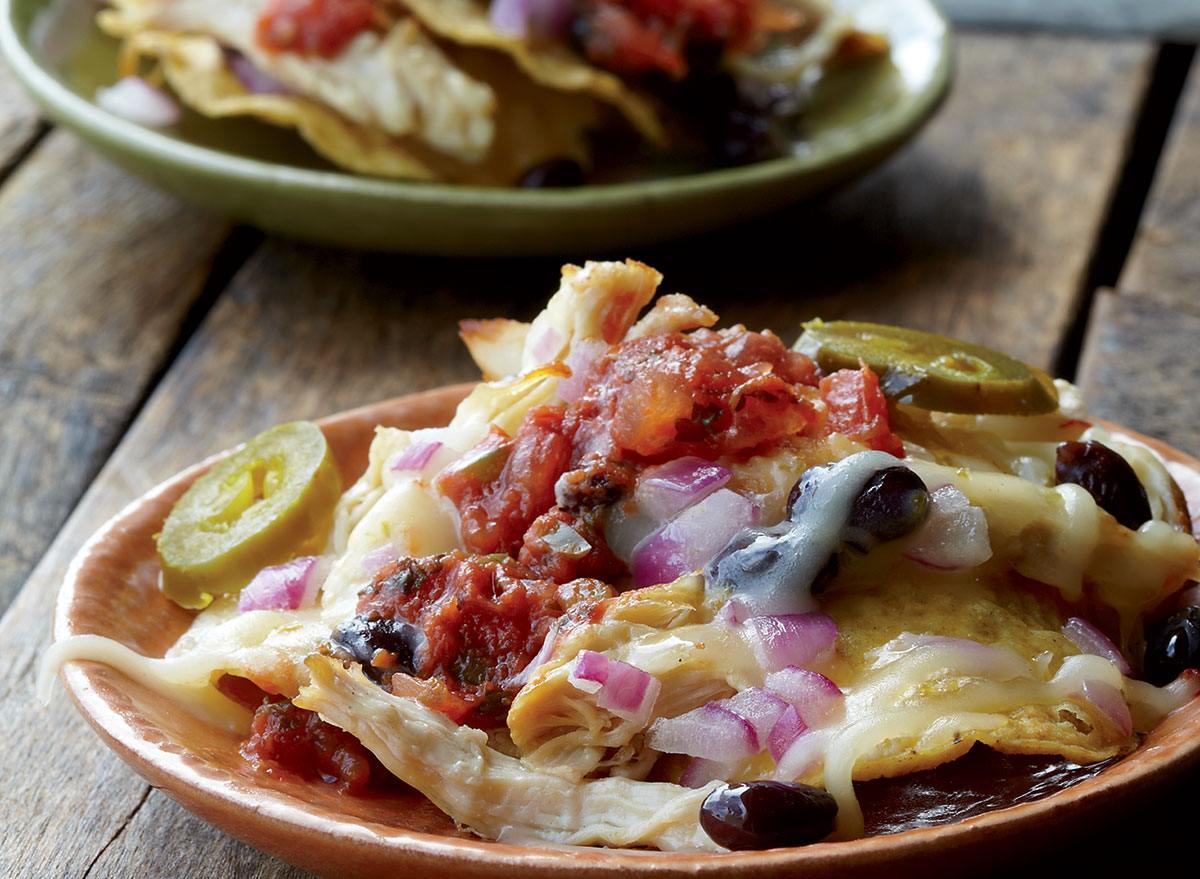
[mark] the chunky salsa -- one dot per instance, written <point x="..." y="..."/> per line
<point x="710" y="394"/>
<point x="312" y="27"/>
<point x="466" y="626"/>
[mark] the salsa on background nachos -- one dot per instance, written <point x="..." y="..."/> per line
<point x="493" y="92"/>
<point x="663" y="585"/>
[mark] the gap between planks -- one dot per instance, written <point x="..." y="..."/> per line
<point x="117" y="833"/>
<point x="1144" y="151"/>
<point x="13" y="160"/>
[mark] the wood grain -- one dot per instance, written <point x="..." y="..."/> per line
<point x="1176" y="19"/>
<point x="299" y="333"/>
<point x="99" y="274"/>
<point x="982" y="229"/>
<point x="20" y="121"/>
<point x="1165" y="259"/>
<point x="1139" y="367"/>
<point x="160" y="825"/>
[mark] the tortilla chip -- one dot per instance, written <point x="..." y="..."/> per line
<point x="398" y="80"/>
<point x="551" y="64"/>
<point x="1023" y="618"/>
<point x="533" y="124"/>
<point x="196" y="70"/>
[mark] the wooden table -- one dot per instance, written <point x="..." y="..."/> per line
<point x="1047" y="211"/>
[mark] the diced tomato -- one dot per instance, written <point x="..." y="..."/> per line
<point x="858" y="409"/>
<point x="638" y="36"/>
<point x="725" y="21"/>
<point x="616" y="39"/>
<point x="483" y="620"/>
<point x="242" y="691"/>
<point x="285" y="739"/>
<point x="706" y="393"/>
<point x="502" y="485"/>
<point x="312" y="27"/>
<point x="564" y="547"/>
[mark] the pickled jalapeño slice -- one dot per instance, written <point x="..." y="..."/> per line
<point x="931" y="371"/>
<point x="267" y="502"/>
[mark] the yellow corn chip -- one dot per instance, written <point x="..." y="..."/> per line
<point x="533" y="124"/>
<point x="466" y="23"/>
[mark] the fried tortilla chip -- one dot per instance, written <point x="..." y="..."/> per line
<point x="533" y="124"/>
<point x="399" y="81"/>
<point x="550" y="63"/>
<point x="196" y="70"/>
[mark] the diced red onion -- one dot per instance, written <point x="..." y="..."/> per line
<point x="813" y="695"/>
<point x="377" y="558"/>
<point x="289" y="586"/>
<point x="426" y="454"/>
<point x="629" y="692"/>
<point x="256" y="80"/>
<point x="138" y="101"/>
<point x="664" y="490"/>
<point x="709" y="731"/>
<point x="416" y="455"/>
<point x="790" y="639"/>
<point x="690" y="540"/>
<point x="1089" y="639"/>
<point x="760" y="708"/>
<point x="620" y="688"/>
<point x="590" y="671"/>
<point x="789" y="727"/>
<point x="583" y="353"/>
<point x="1109" y="699"/>
<point x="701" y="771"/>
<point x="519" y="17"/>
<point x="954" y="533"/>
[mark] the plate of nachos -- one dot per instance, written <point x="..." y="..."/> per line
<point x="530" y="126"/>
<point x="656" y="596"/>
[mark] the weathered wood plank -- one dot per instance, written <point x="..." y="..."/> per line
<point x="1165" y="259"/>
<point x="982" y="229"/>
<point x="99" y="274"/>
<point x="196" y="849"/>
<point x="1139" y="368"/>
<point x="1175" y="19"/>
<point x="20" y="122"/>
<point x="302" y="332"/>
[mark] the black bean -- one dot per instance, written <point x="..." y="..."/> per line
<point x="760" y="561"/>
<point x="801" y="495"/>
<point x="892" y="503"/>
<point x="1107" y="477"/>
<point x="767" y="814"/>
<point x="1172" y="645"/>
<point x="364" y="635"/>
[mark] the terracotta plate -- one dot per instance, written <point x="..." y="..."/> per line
<point x="111" y="589"/>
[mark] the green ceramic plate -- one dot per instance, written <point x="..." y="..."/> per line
<point x="269" y="178"/>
